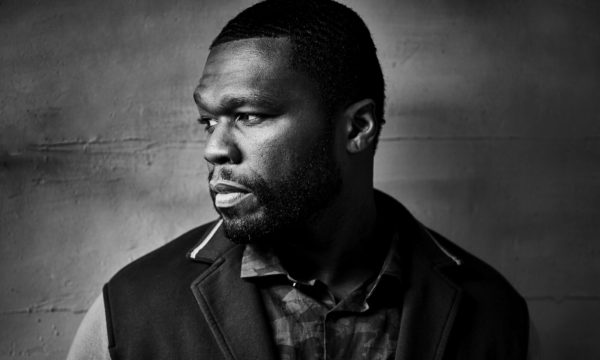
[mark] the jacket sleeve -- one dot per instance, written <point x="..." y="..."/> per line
<point x="91" y="339"/>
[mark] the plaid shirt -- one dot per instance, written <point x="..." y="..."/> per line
<point x="307" y="321"/>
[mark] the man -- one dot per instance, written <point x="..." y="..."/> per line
<point x="307" y="260"/>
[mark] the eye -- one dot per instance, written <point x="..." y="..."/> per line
<point x="208" y="122"/>
<point x="248" y="118"/>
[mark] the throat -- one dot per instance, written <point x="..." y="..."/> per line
<point x="342" y="260"/>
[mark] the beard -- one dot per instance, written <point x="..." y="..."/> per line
<point x="287" y="204"/>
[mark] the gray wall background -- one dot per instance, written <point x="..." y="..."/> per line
<point x="493" y="139"/>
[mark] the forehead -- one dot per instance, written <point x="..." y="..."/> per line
<point x="249" y="68"/>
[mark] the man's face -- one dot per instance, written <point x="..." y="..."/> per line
<point x="270" y="145"/>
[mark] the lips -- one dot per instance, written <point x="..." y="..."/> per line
<point x="229" y="193"/>
<point x="227" y="186"/>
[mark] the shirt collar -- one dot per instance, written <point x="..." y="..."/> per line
<point x="259" y="261"/>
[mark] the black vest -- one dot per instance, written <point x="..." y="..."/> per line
<point x="167" y="305"/>
<point x="151" y="311"/>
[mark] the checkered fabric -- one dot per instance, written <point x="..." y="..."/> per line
<point x="308" y="322"/>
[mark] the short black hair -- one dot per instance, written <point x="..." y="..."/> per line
<point x="330" y="43"/>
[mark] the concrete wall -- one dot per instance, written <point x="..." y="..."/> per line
<point x="493" y="138"/>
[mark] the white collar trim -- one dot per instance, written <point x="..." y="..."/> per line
<point x="206" y="240"/>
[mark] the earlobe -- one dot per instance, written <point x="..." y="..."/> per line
<point x="361" y="125"/>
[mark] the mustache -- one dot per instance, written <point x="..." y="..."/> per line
<point x="227" y="174"/>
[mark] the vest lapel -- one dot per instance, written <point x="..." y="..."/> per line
<point x="428" y="315"/>
<point x="430" y="302"/>
<point x="233" y="309"/>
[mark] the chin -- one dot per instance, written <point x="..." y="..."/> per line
<point x="249" y="229"/>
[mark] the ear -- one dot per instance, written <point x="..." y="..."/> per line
<point x="361" y="125"/>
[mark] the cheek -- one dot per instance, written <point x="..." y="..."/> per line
<point x="275" y="157"/>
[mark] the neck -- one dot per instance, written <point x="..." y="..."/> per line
<point x="337" y="246"/>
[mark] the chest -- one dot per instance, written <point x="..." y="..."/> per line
<point x="310" y="324"/>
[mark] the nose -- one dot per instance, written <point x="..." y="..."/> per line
<point x="221" y="146"/>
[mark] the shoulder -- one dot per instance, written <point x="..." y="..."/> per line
<point x="491" y="316"/>
<point x="91" y="341"/>
<point x="153" y="295"/>
<point x="490" y="307"/>
<point x="460" y="268"/>
<point x="478" y="279"/>
<point x="167" y="258"/>
<point x="170" y="268"/>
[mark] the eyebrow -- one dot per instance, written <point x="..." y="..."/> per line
<point x="231" y="102"/>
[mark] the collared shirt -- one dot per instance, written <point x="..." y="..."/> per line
<point x="308" y="322"/>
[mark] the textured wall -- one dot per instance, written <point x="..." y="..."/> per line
<point x="493" y="138"/>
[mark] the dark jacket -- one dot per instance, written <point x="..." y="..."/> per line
<point x="167" y="305"/>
